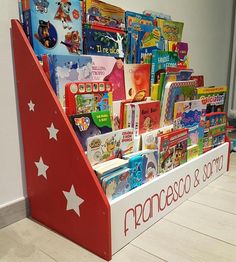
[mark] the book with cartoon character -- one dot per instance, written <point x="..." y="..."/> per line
<point x="172" y="149"/>
<point x="84" y="68"/>
<point x="150" y="165"/>
<point x="108" y="146"/>
<point x="53" y="27"/>
<point x="91" y="124"/>
<point x="191" y="114"/>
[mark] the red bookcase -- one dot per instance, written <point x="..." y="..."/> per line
<point x="63" y="191"/>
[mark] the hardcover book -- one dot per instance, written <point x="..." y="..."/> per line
<point x="137" y="79"/>
<point x="104" y="14"/>
<point x="171" y="30"/>
<point x="108" y="146"/>
<point x="89" y="125"/>
<point x="65" y="69"/>
<point x="53" y="27"/>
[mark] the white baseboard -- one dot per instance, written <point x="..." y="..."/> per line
<point x="13" y="212"/>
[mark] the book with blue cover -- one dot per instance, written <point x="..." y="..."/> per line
<point x="53" y="27"/>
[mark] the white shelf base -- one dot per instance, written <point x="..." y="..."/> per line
<point x="137" y="210"/>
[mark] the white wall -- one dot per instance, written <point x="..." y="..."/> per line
<point x="207" y="30"/>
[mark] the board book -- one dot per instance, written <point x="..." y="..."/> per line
<point x="171" y="30"/>
<point x="108" y="146"/>
<point x="91" y="124"/>
<point x="53" y="27"/>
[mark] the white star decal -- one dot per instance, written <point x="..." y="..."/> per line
<point x="42" y="168"/>
<point x="31" y="106"/>
<point x="52" y="132"/>
<point x="73" y="201"/>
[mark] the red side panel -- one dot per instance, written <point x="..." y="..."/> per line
<point x="63" y="190"/>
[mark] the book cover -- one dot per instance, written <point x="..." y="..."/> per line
<point x="87" y="97"/>
<point x="181" y="49"/>
<point x="191" y="114"/>
<point x="146" y="116"/>
<point x="192" y="152"/>
<point x="199" y="80"/>
<point x="150" y="165"/>
<point x="108" y="146"/>
<point x="160" y="61"/>
<point x="104" y="42"/>
<point x="89" y="125"/>
<point x="174" y="92"/>
<point x="149" y="139"/>
<point x="68" y="68"/>
<point x="172" y="149"/>
<point x="171" y="30"/>
<point x="214" y="97"/>
<point x="137" y="79"/>
<point x="53" y="27"/>
<point x="136" y="170"/>
<point x="104" y="14"/>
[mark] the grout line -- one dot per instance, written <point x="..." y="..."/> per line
<point x="148" y="252"/>
<point x="212" y="207"/>
<point x="222" y="189"/>
<point x="189" y="228"/>
<point x="45" y="253"/>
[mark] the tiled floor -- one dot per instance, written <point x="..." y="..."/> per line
<point x="201" y="229"/>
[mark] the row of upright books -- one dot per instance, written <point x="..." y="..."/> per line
<point x="125" y="84"/>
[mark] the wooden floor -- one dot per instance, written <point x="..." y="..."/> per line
<point x="201" y="229"/>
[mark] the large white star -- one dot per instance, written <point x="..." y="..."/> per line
<point x="31" y="106"/>
<point x="42" y="168"/>
<point x="52" y="132"/>
<point x="73" y="201"/>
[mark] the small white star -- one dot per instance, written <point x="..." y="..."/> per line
<point x="73" y="201"/>
<point x="31" y="106"/>
<point x="52" y="132"/>
<point x="42" y="168"/>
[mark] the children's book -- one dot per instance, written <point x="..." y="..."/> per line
<point x="137" y="80"/>
<point x="160" y="61"/>
<point x="115" y="144"/>
<point x="192" y="152"/>
<point x="132" y="17"/>
<point x="182" y="50"/>
<point x="171" y="30"/>
<point x="104" y="14"/>
<point x="175" y="92"/>
<point x="53" y="27"/>
<point x="110" y="166"/>
<point x="172" y="149"/>
<point x="191" y="114"/>
<point x="150" y="165"/>
<point x="150" y="139"/>
<point x="117" y="183"/>
<point x="214" y="97"/>
<point x="104" y="42"/>
<point x="199" y="80"/>
<point x="87" y="97"/>
<point x="65" y="69"/>
<point x="89" y="125"/>
<point x="155" y="15"/>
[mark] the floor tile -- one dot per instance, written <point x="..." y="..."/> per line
<point x="12" y="250"/>
<point x="209" y="221"/>
<point x="225" y="182"/>
<point x="131" y="253"/>
<point x="176" y="243"/>
<point x="216" y="198"/>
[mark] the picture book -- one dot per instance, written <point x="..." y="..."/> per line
<point x="104" y="42"/>
<point x="149" y="139"/>
<point x="87" y="97"/>
<point x="191" y="114"/>
<point x="156" y="15"/>
<point x="115" y="144"/>
<point x="146" y="117"/>
<point x="53" y="27"/>
<point x="175" y="92"/>
<point x="199" y="80"/>
<point x="160" y="61"/>
<point x="104" y="14"/>
<point x="132" y="17"/>
<point x="117" y="183"/>
<point x="116" y="105"/>
<point x="150" y="165"/>
<point x="192" y="152"/>
<point x="67" y="68"/>
<point x="181" y="49"/>
<point x="107" y="167"/>
<point x="214" y="97"/>
<point x="136" y="170"/>
<point x="137" y="79"/>
<point x="172" y="149"/>
<point x="171" y="30"/>
<point x="91" y="124"/>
